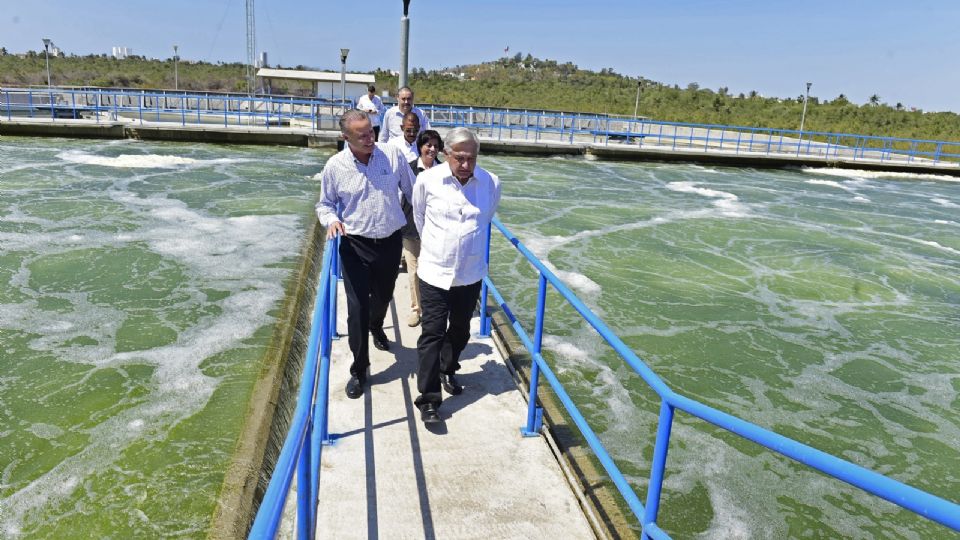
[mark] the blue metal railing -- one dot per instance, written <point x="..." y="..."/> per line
<point x="308" y="428"/>
<point x="932" y="507"/>
<point x="237" y="110"/>
<point x="308" y="432"/>
<point x="183" y="108"/>
<point x="563" y="127"/>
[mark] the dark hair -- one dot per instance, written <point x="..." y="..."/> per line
<point x="425" y="137"/>
<point x="371" y="88"/>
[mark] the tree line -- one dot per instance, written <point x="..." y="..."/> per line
<point x="521" y="82"/>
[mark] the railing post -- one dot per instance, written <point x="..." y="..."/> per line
<point x="304" y="531"/>
<point x="658" y="465"/>
<point x="334" y="278"/>
<point x="6" y="93"/>
<point x="53" y="109"/>
<point x="535" y="413"/>
<point x="484" y="316"/>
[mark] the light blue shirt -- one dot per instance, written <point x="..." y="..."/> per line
<point x="365" y="194"/>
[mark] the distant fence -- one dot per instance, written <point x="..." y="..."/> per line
<point x="183" y="108"/>
<point x="239" y="110"/>
<point x="562" y="127"/>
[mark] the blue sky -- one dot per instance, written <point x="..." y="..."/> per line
<point x="903" y="51"/>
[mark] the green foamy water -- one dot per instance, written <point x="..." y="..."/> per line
<point x="138" y="289"/>
<point x="823" y="305"/>
<point x="137" y="282"/>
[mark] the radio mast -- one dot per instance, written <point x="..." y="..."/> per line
<point x="251" y="48"/>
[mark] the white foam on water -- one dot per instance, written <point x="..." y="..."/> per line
<point x="945" y="222"/>
<point x="860" y="198"/>
<point x="701" y="168"/>
<point x="135" y="161"/>
<point x="234" y="254"/>
<point x="566" y="349"/>
<point x="945" y="202"/>
<point x="45" y="431"/>
<point x="861" y="174"/>
<point x="937" y="245"/>
<point x="728" y="203"/>
<point x="831" y="183"/>
<point x="577" y="281"/>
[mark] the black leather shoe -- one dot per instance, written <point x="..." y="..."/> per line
<point x="354" y="387"/>
<point x="450" y="384"/>
<point x="380" y="339"/>
<point x="429" y="414"/>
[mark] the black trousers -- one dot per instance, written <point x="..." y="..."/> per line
<point x="369" y="275"/>
<point x="445" y="331"/>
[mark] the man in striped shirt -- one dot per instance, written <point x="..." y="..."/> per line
<point x="361" y="181"/>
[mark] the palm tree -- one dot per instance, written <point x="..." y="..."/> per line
<point x="899" y="106"/>
<point x="875" y="100"/>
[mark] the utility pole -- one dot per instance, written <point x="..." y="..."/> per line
<point x="404" y="43"/>
<point x="251" y="47"/>
<point x="46" y="53"/>
<point x="803" y="116"/>
<point x="636" y="106"/>
<point x="176" y="75"/>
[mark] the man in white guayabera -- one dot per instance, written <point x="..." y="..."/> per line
<point x="371" y="104"/>
<point x="362" y="180"/>
<point x="453" y="204"/>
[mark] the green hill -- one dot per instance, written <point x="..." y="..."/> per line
<point x="519" y="82"/>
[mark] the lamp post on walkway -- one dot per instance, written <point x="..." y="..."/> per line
<point x="176" y="75"/>
<point x="803" y="116"/>
<point x="343" y="78"/>
<point x="46" y="53"/>
<point x="404" y="43"/>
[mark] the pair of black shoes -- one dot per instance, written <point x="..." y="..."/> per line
<point x="380" y="339"/>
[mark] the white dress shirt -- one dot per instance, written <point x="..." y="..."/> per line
<point x="410" y="150"/>
<point x="452" y="220"/>
<point x="392" y="120"/>
<point x="365" y="104"/>
<point x="366" y="194"/>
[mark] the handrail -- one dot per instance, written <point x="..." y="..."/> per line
<point x="917" y="501"/>
<point x="231" y="109"/>
<point x="308" y="432"/>
<point x="506" y="124"/>
<point x="300" y="453"/>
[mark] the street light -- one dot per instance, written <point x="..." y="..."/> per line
<point x="343" y="76"/>
<point x="404" y="43"/>
<point x="176" y="75"/>
<point x="46" y="53"/>
<point x="803" y="116"/>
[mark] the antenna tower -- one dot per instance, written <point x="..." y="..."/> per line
<point x="251" y="48"/>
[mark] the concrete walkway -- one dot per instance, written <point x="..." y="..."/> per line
<point x="475" y="476"/>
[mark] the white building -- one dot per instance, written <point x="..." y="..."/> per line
<point x="121" y="52"/>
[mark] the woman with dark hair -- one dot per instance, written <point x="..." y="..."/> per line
<point x="430" y="145"/>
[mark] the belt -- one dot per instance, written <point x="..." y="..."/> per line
<point x="368" y="240"/>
